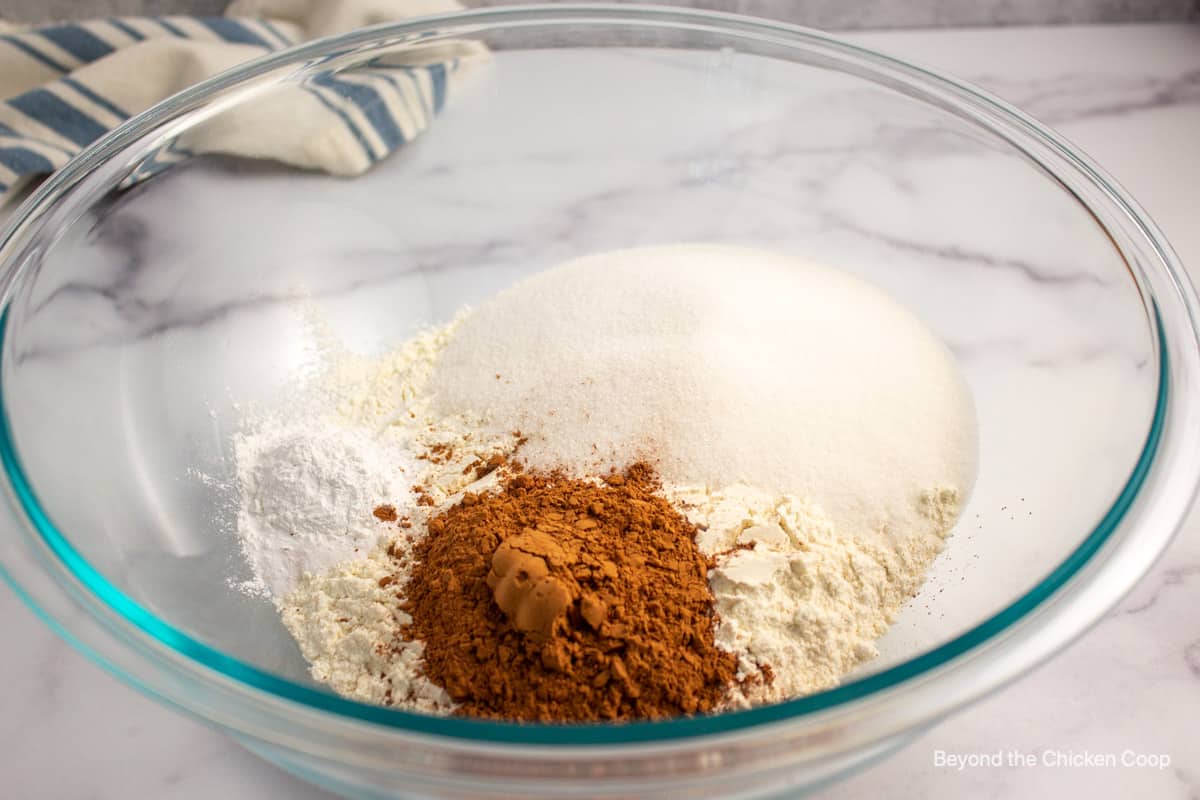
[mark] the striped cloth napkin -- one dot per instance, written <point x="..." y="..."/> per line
<point x="65" y="85"/>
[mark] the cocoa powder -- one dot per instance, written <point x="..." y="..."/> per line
<point x="556" y="599"/>
<point x="385" y="513"/>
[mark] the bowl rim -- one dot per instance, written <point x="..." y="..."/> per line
<point x="997" y="630"/>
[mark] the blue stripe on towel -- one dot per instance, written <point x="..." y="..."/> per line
<point x="395" y="84"/>
<point x="283" y="40"/>
<point x="58" y="115"/>
<point x="381" y="68"/>
<point x="166" y="25"/>
<point x="370" y="103"/>
<point x="78" y="41"/>
<point x="127" y="29"/>
<point x="24" y="162"/>
<point x="33" y="52"/>
<point x="437" y="75"/>
<point x="103" y="102"/>
<point x="233" y="31"/>
<point x="10" y="133"/>
<point x="358" y="134"/>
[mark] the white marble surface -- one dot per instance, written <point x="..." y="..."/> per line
<point x="1131" y="97"/>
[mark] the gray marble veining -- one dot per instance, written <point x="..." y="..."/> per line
<point x="1129" y="684"/>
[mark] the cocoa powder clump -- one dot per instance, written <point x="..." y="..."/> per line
<point x="557" y="599"/>
<point x="385" y="513"/>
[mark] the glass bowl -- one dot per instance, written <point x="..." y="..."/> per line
<point x="144" y="307"/>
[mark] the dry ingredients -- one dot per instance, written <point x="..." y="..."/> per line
<point x="721" y="365"/>
<point x="559" y="599"/>
<point x="817" y="437"/>
<point x="310" y="472"/>
<point x="795" y="597"/>
<point x="345" y="622"/>
<point x="308" y="487"/>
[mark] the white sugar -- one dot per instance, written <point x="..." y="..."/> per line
<point x="721" y="365"/>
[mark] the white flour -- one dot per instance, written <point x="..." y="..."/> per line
<point x="345" y="623"/>
<point x="805" y="600"/>
<point x="859" y="457"/>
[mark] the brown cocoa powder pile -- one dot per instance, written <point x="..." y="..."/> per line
<point x="557" y="599"/>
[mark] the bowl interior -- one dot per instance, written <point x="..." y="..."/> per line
<point x="148" y="324"/>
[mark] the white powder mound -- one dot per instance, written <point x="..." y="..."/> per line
<point x="308" y="490"/>
<point x="721" y="365"/>
<point x="796" y="595"/>
<point x="311" y="471"/>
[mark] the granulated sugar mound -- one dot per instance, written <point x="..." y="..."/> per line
<point x="721" y="365"/>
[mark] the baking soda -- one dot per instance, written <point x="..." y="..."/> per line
<point x="308" y="489"/>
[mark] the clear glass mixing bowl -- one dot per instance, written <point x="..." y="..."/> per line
<point x="139" y="316"/>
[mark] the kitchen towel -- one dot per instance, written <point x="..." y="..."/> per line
<point x="65" y="85"/>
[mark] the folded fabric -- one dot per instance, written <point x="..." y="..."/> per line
<point x="65" y="85"/>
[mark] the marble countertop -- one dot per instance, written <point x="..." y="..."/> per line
<point x="1130" y="96"/>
